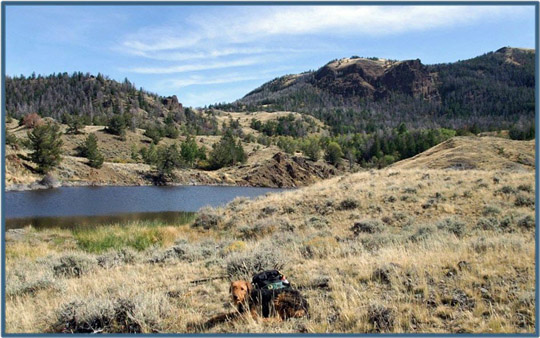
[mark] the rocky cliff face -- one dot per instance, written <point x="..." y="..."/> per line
<point x="376" y="79"/>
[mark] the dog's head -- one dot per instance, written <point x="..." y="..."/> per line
<point x="240" y="291"/>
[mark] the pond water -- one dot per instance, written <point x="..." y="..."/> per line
<point x="98" y="205"/>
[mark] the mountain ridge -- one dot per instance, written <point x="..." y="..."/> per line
<point x="493" y="91"/>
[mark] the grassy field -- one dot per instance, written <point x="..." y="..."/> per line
<point x="395" y="250"/>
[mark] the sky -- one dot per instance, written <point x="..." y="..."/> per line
<point x="210" y="54"/>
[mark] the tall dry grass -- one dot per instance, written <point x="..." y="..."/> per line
<point x="380" y="251"/>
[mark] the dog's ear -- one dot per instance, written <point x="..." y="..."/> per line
<point x="249" y="287"/>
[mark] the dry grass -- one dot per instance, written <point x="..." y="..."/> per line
<point x="450" y="251"/>
<point x="470" y="152"/>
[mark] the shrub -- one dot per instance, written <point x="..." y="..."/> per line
<point x="369" y="226"/>
<point x="382" y="318"/>
<point x="185" y="251"/>
<point x="317" y="222"/>
<point x="207" y="218"/>
<point x="32" y="120"/>
<point x="385" y="273"/>
<point x="526" y="222"/>
<point x="453" y="225"/>
<point x="311" y="148"/>
<point x="29" y="278"/>
<point x="348" y="204"/>
<point x="524" y="201"/>
<point x="269" y="210"/>
<point x="326" y="208"/>
<point x="333" y="153"/>
<point x="12" y="140"/>
<point x="507" y="190"/>
<point x="491" y="210"/>
<point x="507" y="222"/>
<point x="137" y="314"/>
<point x="46" y="142"/>
<point x="410" y="191"/>
<point x="421" y="234"/>
<point x="73" y="265"/>
<point x="243" y="265"/>
<point x="488" y="223"/>
<point x="525" y="187"/>
<point x="117" y="258"/>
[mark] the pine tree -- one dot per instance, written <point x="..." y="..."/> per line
<point x="154" y="133"/>
<point x="75" y="124"/>
<point x="117" y="126"/>
<point x="227" y="152"/>
<point x="46" y="142"/>
<point x="92" y="153"/>
<point x="168" y="159"/>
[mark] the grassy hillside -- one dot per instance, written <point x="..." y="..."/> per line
<point x="120" y="168"/>
<point x="414" y="250"/>
<point x="483" y="153"/>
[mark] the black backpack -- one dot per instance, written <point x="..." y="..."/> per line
<point x="270" y="280"/>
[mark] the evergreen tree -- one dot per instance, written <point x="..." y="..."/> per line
<point x="46" y="142"/>
<point x="75" y="124"/>
<point x="117" y="126"/>
<point x="227" y="152"/>
<point x="150" y="154"/>
<point x="92" y="153"/>
<point x="168" y="159"/>
<point x="154" y="133"/>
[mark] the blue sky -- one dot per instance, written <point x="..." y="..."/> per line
<point x="208" y="54"/>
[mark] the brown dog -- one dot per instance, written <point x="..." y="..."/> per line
<point x="280" y="303"/>
<point x="241" y="296"/>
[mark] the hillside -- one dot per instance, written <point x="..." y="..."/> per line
<point x="96" y="99"/>
<point x="492" y="91"/>
<point x="397" y="250"/>
<point x="266" y="165"/>
<point x="479" y="153"/>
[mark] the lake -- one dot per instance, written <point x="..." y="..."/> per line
<point x="68" y="206"/>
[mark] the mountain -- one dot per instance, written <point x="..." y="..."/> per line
<point x="492" y="91"/>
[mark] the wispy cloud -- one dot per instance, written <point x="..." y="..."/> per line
<point x="211" y="53"/>
<point x="195" y="67"/>
<point x="261" y="22"/>
<point x="201" y="80"/>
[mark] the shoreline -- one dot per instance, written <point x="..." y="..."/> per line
<point x="73" y="184"/>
